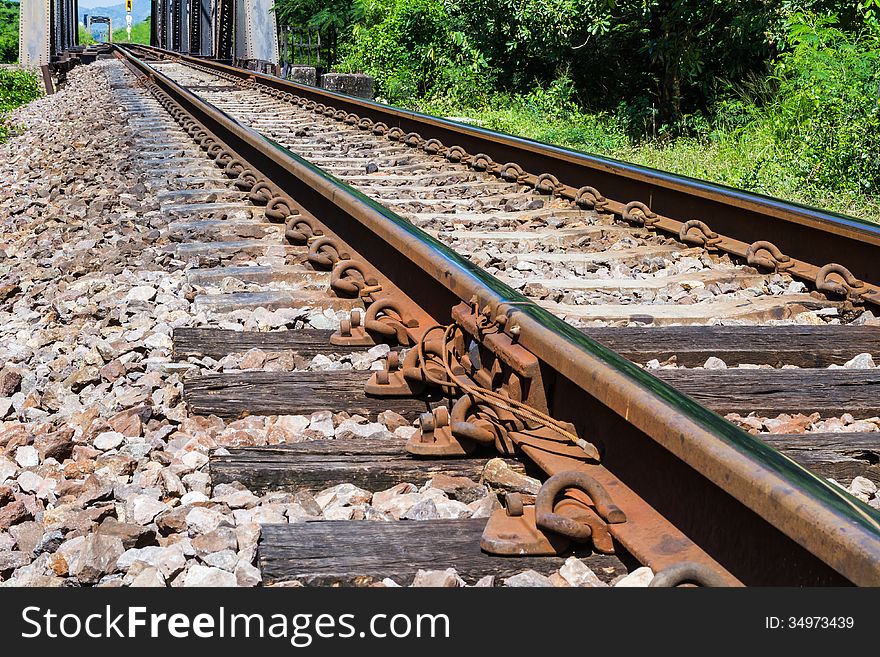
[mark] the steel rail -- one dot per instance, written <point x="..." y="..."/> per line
<point x="762" y="517"/>
<point x="809" y="238"/>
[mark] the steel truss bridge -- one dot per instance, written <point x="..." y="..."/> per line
<point x="230" y="31"/>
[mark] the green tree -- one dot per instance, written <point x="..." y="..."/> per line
<point x="8" y="31"/>
<point x="413" y="50"/>
<point x="826" y="115"/>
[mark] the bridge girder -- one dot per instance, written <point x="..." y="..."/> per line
<point x="231" y="30"/>
<point x="46" y="28"/>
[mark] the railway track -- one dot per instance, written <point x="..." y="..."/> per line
<point x="506" y="314"/>
<point x="581" y="264"/>
<point x="475" y="211"/>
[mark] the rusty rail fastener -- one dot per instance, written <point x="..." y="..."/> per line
<point x="590" y="198"/>
<point x="345" y="284"/>
<point x="774" y="259"/>
<point x="479" y="430"/>
<point x="698" y="233"/>
<point x="639" y="214"/>
<point x="545" y="518"/>
<point x="299" y="229"/>
<point x="385" y="318"/>
<point x="687" y="572"/>
<point x="324" y="252"/>
<point x="278" y="210"/>
<point x="849" y="288"/>
<point x="547" y="183"/>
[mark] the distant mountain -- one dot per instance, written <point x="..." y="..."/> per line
<point x="140" y="10"/>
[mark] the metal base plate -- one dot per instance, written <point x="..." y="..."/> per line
<point x="441" y="447"/>
<point x="518" y="535"/>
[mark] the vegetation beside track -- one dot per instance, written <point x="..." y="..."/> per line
<point x="17" y="87"/>
<point x="780" y="97"/>
<point x="8" y="31"/>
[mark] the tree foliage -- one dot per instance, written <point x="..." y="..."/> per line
<point x="661" y="62"/>
<point x="8" y="31"/>
<point x="413" y="50"/>
<point x="827" y="109"/>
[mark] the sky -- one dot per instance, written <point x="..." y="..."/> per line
<point x="91" y="4"/>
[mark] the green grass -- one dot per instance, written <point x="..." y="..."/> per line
<point x="140" y="33"/>
<point x="747" y="157"/>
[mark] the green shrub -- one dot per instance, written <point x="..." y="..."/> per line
<point x="411" y="50"/>
<point x="85" y="37"/>
<point x="826" y="118"/>
<point x="16" y="88"/>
